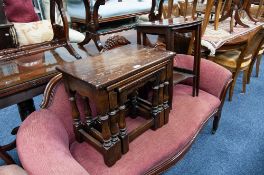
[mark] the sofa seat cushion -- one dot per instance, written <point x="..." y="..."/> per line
<point x="186" y="118"/>
<point x="111" y="8"/>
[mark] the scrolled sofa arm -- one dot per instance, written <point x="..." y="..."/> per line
<point x="43" y="146"/>
<point x="213" y="77"/>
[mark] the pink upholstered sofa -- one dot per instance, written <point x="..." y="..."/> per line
<point x="46" y="143"/>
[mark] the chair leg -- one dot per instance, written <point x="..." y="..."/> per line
<point x="250" y="70"/>
<point x="245" y="74"/>
<point x="217" y="118"/>
<point x="258" y="64"/>
<point x="231" y="91"/>
<point x="6" y="157"/>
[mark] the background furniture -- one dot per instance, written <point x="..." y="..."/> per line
<point x="237" y="58"/>
<point x="167" y="28"/>
<point x="20" y="89"/>
<point x="6" y="31"/>
<point x="213" y="40"/>
<point x="74" y="35"/>
<point x="94" y="15"/>
<point x="156" y="151"/>
<point x="256" y="58"/>
<point x="26" y="77"/>
<point x="234" y="7"/>
<point x="61" y="34"/>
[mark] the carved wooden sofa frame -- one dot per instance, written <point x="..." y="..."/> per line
<point x="49" y="99"/>
<point x="93" y="20"/>
<point x="60" y="39"/>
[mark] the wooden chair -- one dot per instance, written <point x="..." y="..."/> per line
<point x="260" y="9"/>
<point x="257" y="59"/>
<point x="238" y="57"/>
<point x="60" y="39"/>
<point x="236" y="6"/>
<point x="85" y="14"/>
<point x="169" y="12"/>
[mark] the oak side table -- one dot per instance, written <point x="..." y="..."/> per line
<point x="113" y="81"/>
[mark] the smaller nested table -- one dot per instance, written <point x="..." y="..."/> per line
<point x="128" y="81"/>
<point x="167" y="28"/>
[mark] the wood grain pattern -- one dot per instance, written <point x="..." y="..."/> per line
<point x="115" y="65"/>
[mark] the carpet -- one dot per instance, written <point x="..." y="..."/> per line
<point x="237" y="148"/>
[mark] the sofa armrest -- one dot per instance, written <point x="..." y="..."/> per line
<point x="43" y="146"/>
<point x="213" y="77"/>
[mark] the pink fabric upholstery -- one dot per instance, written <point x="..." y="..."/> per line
<point x="20" y="11"/>
<point x="43" y="146"/>
<point x="213" y="77"/>
<point x="43" y="142"/>
<point x="61" y="108"/>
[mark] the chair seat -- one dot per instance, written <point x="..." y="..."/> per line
<point x="111" y="8"/>
<point x="153" y="147"/>
<point x="229" y="59"/>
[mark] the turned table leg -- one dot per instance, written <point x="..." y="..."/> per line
<point x="113" y="114"/>
<point x="75" y="116"/>
<point x="122" y="123"/>
<point x="108" y="146"/>
<point x="155" y="106"/>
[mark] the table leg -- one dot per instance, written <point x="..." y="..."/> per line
<point x="161" y="99"/>
<point x="168" y="40"/>
<point x="113" y="114"/>
<point x="108" y="149"/>
<point x="198" y="58"/>
<point x="122" y="123"/>
<point x="75" y="116"/>
<point x="155" y="103"/>
<point x="144" y="39"/>
<point x="25" y="108"/>
<point x="138" y="37"/>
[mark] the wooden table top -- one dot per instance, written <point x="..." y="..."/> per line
<point x="216" y="40"/>
<point x="29" y="71"/>
<point x="115" y="65"/>
<point x="171" y="22"/>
